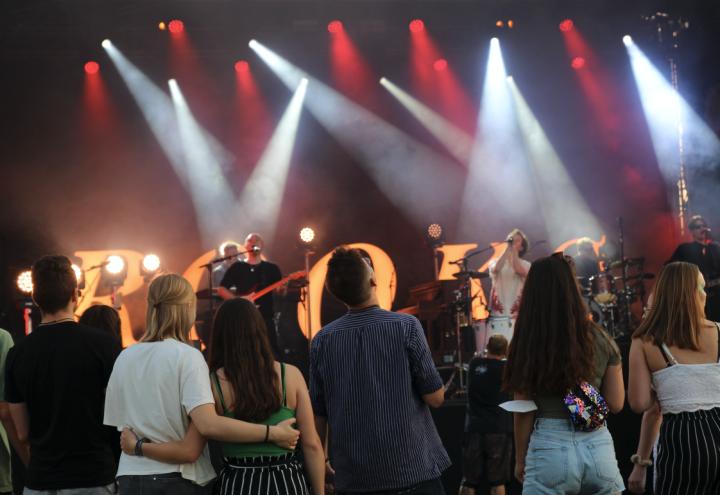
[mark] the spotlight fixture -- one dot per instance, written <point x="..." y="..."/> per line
<point x="114" y="264"/>
<point x="106" y="43"/>
<point x="92" y="67"/>
<point x="417" y="26"/>
<point x="335" y="26"/>
<point x="24" y="282"/>
<point x="627" y="40"/>
<point x="510" y="24"/>
<point x="176" y="26"/>
<point x="242" y="66"/>
<point x="162" y="26"/>
<point x="499" y="23"/>
<point x="566" y="25"/>
<point x="150" y="263"/>
<point x="435" y="231"/>
<point x="440" y="65"/>
<point x="307" y="235"/>
<point x="577" y="63"/>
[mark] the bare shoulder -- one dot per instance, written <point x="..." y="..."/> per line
<point x="293" y="374"/>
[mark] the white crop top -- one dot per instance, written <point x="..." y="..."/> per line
<point x="687" y="387"/>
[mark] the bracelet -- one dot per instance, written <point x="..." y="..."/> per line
<point x="138" y="447"/>
<point x="267" y="433"/>
<point x="636" y="459"/>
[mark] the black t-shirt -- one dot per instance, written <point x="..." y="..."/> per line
<point x="484" y="394"/>
<point x="706" y="257"/>
<point x="60" y="372"/>
<point x="247" y="278"/>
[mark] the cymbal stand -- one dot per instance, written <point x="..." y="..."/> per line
<point x="626" y="291"/>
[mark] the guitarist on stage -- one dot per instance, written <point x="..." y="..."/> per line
<point x="251" y="275"/>
<point x="705" y="253"/>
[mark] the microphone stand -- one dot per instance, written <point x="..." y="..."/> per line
<point x="209" y="267"/>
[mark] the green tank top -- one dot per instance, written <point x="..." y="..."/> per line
<point x="258" y="448"/>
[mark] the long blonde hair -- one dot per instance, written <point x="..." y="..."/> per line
<point x="171" y="309"/>
<point x="676" y="316"/>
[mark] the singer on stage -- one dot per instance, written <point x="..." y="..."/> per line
<point x="250" y="275"/>
<point x="508" y="274"/>
<point x="705" y="253"/>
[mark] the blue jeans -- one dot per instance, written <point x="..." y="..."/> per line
<point x="563" y="461"/>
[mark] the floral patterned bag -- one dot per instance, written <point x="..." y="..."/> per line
<point x="587" y="407"/>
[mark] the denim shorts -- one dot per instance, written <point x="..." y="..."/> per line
<point x="561" y="460"/>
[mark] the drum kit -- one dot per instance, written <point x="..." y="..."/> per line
<point x="611" y="293"/>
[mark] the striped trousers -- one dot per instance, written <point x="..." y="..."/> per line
<point x="265" y="475"/>
<point x="688" y="454"/>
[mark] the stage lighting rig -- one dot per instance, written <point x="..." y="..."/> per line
<point x="307" y="235"/>
<point x="150" y="264"/>
<point x="24" y="282"/>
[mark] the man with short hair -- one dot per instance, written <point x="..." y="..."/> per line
<point x="487" y="447"/>
<point x="704" y="252"/>
<point x="55" y="384"/>
<point x="371" y="380"/>
<point x="251" y="275"/>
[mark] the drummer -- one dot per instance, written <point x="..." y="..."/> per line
<point x="586" y="261"/>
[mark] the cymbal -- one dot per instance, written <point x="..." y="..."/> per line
<point x="471" y="274"/>
<point x="642" y="276"/>
<point x="628" y="261"/>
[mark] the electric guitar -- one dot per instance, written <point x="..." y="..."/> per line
<point x="254" y="296"/>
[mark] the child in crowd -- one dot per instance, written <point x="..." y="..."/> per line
<point x="487" y="447"/>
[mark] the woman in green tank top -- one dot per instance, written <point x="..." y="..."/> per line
<point x="249" y="384"/>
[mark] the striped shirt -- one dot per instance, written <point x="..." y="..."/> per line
<point x="368" y="371"/>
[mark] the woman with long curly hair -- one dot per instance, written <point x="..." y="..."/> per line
<point x="675" y="363"/>
<point x="555" y="349"/>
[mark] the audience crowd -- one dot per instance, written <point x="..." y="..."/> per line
<point x="86" y="417"/>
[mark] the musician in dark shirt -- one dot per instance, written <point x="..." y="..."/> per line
<point x="705" y="253"/>
<point x="252" y="275"/>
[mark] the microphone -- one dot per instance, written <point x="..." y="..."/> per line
<point x="509" y="239"/>
<point x="256" y="249"/>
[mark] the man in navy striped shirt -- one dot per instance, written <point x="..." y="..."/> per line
<point x="371" y="380"/>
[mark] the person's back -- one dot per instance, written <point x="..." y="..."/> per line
<point x="675" y="361"/>
<point x="153" y="386"/>
<point x="572" y="371"/>
<point x="58" y="374"/>
<point x="487" y="447"/>
<point x="372" y="376"/>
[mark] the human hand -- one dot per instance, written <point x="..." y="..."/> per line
<point x="636" y="480"/>
<point x="329" y="478"/>
<point x="520" y="471"/>
<point x="284" y="435"/>
<point x="128" y="440"/>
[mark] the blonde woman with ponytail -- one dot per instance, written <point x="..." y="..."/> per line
<point x="160" y="388"/>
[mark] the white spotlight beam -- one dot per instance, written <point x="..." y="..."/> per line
<point x="160" y="114"/>
<point x="259" y="204"/>
<point x="210" y="192"/>
<point x="420" y="182"/>
<point x="566" y="213"/>
<point x="455" y="140"/>
<point x="668" y="115"/>
<point x="498" y="176"/>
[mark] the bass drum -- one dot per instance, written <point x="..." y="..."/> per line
<point x="604" y="315"/>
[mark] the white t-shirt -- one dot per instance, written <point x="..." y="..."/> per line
<point x="152" y="389"/>
<point x="506" y="289"/>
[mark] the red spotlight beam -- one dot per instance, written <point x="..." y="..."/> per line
<point x="597" y="86"/>
<point x="351" y="73"/>
<point x="436" y="84"/>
